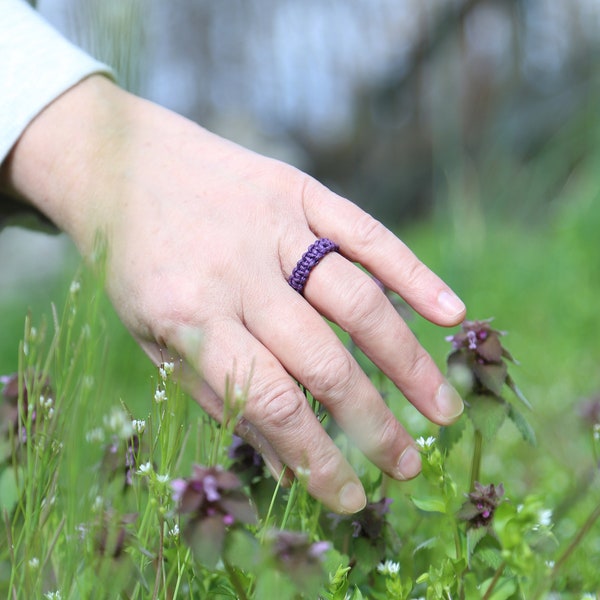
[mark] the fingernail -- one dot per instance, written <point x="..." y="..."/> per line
<point x="450" y="303"/>
<point x="449" y="403"/>
<point x="352" y="498"/>
<point x="409" y="465"/>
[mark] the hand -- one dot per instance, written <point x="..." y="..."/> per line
<point x="202" y="236"/>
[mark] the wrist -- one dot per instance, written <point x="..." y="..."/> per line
<point x="59" y="163"/>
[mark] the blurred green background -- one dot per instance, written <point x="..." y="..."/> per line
<point x="470" y="128"/>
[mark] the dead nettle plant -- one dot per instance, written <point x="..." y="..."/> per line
<point x="96" y="499"/>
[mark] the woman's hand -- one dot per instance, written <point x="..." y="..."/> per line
<point x="202" y="236"/>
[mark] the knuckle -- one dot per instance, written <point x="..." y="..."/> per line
<point x="363" y="304"/>
<point x="324" y="469"/>
<point x="388" y="433"/>
<point x="281" y="407"/>
<point x="417" y="366"/>
<point x="415" y="274"/>
<point x="327" y="372"/>
<point x="367" y="232"/>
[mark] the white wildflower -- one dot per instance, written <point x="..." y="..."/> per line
<point x="139" y="426"/>
<point x="173" y="532"/>
<point x="46" y="402"/>
<point x="162" y="478"/>
<point x="74" y="287"/>
<point x="302" y="473"/>
<point x="389" y="567"/>
<point x="545" y="517"/>
<point x="425" y="444"/>
<point x="48" y="501"/>
<point x="119" y="423"/>
<point x="95" y="435"/>
<point x="98" y="504"/>
<point x="34" y="563"/>
<point x="53" y="595"/>
<point x="160" y="396"/>
<point x="166" y="369"/>
<point x="145" y="469"/>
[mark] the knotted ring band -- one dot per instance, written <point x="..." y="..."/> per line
<point x="310" y="259"/>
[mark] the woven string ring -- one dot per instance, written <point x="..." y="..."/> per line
<point x="310" y="259"/>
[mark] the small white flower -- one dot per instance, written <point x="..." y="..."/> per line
<point x="95" y="435"/>
<point x="119" y="423"/>
<point x="34" y="563"/>
<point x="46" y="402"/>
<point x="139" y="426"/>
<point x="425" y="444"/>
<point x="145" y="469"/>
<point x="50" y="413"/>
<point x="303" y="473"/>
<point x="166" y="369"/>
<point x="173" y="533"/>
<point x="160" y="396"/>
<point x="53" y="595"/>
<point x="74" y="287"/>
<point x="98" y="504"/>
<point x="162" y="478"/>
<point x="48" y="501"/>
<point x="389" y="567"/>
<point x="545" y="517"/>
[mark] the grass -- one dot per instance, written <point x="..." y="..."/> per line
<point x="65" y="507"/>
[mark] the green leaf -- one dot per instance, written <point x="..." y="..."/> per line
<point x="426" y="545"/>
<point x="9" y="492"/>
<point x="241" y="549"/>
<point x="491" y="376"/>
<point x="429" y="504"/>
<point x="450" y="435"/>
<point x="505" y="588"/>
<point x="355" y="594"/>
<point x="517" y="392"/>
<point x="490" y="557"/>
<point x="474" y="536"/>
<point x="522" y="425"/>
<point x="487" y="413"/>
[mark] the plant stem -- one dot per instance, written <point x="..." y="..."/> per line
<point x="159" y="558"/>
<point x="476" y="462"/>
<point x="497" y="575"/>
<point x="235" y="581"/>
<point x="589" y="523"/>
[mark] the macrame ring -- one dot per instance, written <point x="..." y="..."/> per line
<point x="310" y="259"/>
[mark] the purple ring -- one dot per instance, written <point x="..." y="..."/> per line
<point x="310" y="259"/>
